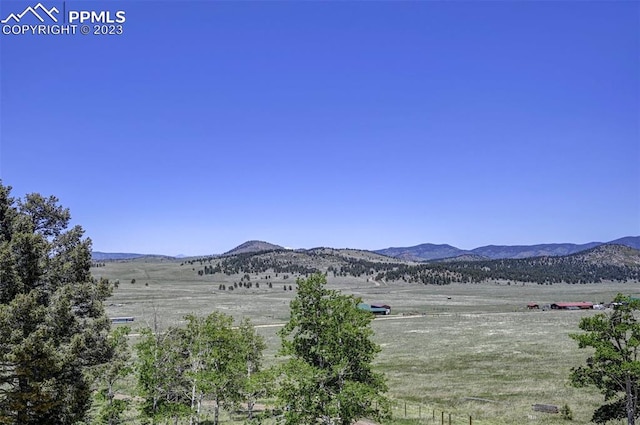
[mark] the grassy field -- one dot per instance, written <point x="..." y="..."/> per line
<point x="461" y="350"/>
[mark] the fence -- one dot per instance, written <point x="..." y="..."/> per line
<point x="429" y="416"/>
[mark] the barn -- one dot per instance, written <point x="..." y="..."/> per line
<point x="584" y="305"/>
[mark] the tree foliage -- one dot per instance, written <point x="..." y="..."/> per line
<point x="206" y="360"/>
<point x="53" y="327"/>
<point x="256" y="381"/>
<point x="108" y="374"/>
<point x="614" y="367"/>
<point x="216" y="365"/>
<point x="328" y="377"/>
<point x="161" y="382"/>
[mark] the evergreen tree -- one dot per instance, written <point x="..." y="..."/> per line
<point x="614" y="368"/>
<point x="53" y="327"/>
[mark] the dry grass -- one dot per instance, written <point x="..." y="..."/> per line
<point x="461" y="349"/>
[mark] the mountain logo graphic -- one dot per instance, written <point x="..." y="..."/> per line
<point x="43" y="11"/>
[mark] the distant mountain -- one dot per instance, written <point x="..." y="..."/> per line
<point x="423" y="252"/>
<point x="302" y="262"/>
<point x="427" y="252"/>
<point x="104" y="256"/>
<point x="610" y="255"/>
<point x="462" y="258"/>
<point x="604" y="263"/>
<point x="600" y="264"/>
<point x="253" y="246"/>
<point x="420" y="253"/>
<point x="350" y="254"/>
<point x="630" y="241"/>
<point x="121" y="256"/>
<point x="526" y="251"/>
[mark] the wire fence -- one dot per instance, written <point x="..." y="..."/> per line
<point x="420" y="414"/>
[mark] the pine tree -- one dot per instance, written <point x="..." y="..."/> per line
<point x="614" y="368"/>
<point x="53" y="326"/>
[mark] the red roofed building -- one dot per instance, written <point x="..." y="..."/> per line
<point x="572" y="306"/>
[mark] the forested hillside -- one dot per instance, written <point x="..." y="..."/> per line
<point x="603" y="263"/>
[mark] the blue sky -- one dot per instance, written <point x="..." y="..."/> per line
<point x="344" y="124"/>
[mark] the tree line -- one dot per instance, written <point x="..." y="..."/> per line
<point x="257" y="263"/>
<point x="540" y="270"/>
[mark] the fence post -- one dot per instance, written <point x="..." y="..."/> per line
<point x="419" y="411"/>
<point x="449" y="418"/>
<point x="470" y="420"/>
<point x="405" y="409"/>
<point x="442" y="418"/>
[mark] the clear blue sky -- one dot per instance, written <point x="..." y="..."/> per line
<point x="344" y="124"/>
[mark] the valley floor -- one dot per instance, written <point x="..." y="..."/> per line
<point x="462" y="350"/>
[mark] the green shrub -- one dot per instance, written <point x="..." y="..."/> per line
<point x="566" y="412"/>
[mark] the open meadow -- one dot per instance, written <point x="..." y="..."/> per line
<point x="459" y="351"/>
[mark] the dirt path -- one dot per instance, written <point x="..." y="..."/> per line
<point x="378" y="318"/>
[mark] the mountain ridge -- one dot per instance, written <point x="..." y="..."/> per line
<point x="430" y="252"/>
<point x="421" y="252"/>
<point x="600" y="264"/>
